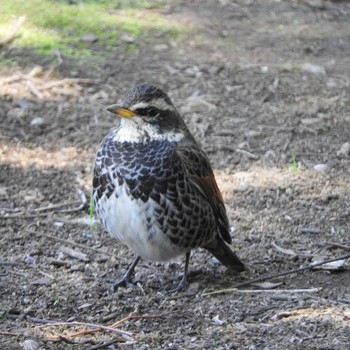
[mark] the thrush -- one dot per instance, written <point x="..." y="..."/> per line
<point x="154" y="188"/>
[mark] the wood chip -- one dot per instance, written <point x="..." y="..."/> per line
<point x="332" y="266"/>
<point x="75" y="254"/>
<point x="283" y="250"/>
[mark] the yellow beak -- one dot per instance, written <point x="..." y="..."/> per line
<point x="121" y="111"/>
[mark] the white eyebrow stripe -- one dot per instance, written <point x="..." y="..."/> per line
<point x="156" y="102"/>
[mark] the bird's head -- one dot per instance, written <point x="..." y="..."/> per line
<point x="148" y="111"/>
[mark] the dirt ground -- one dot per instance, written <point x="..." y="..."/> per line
<point x="264" y="86"/>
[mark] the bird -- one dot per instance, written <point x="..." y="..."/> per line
<point x="154" y="188"/>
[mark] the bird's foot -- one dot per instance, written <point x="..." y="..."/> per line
<point x="180" y="287"/>
<point x="123" y="282"/>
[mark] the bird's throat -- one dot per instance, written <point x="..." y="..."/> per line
<point x="137" y="131"/>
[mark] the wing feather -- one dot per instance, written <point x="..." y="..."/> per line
<point x="202" y="178"/>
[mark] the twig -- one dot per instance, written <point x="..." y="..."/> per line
<point x="225" y="133"/>
<point x="59" y="56"/>
<point x="310" y="230"/>
<point x="67" y="241"/>
<point x="338" y="245"/>
<point x="42" y="272"/>
<point x="89" y="325"/>
<point x="36" y="320"/>
<point x="270" y="277"/>
<point x="54" y="206"/>
<point x="141" y="288"/>
<point x="75" y="254"/>
<point x="12" y="35"/>
<point x="34" y="90"/>
<point x="22" y="214"/>
<point x="250" y="155"/>
<point x="82" y="205"/>
<point x="262" y="291"/>
<point x="283" y="250"/>
<point x="9" y="334"/>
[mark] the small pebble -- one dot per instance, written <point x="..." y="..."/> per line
<point x="126" y="38"/>
<point x="160" y="47"/>
<point x="89" y="38"/>
<point x="30" y="344"/>
<point x="313" y="68"/>
<point x="322" y="168"/>
<point x="36" y="122"/>
<point x="78" y="267"/>
<point x="344" y="149"/>
<point x="29" y="260"/>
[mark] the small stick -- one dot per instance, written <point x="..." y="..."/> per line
<point x="43" y="273"/>
<point x="9" y="334"/>
<point x="12" y="35"/>
<point x="141" y="288"/>
<point x="270" y="277"/>
<point x="263" y="291"/>
<point x="78" y="206"/>
<point x="59" y="56"/>
<point x="310" y="230"/>
<point x="55" y="206"/>
<point x="250" y="155"/>
<point x="89" y="325"/>
<point x="36" y="320"/>
<point x="67" y="241"/>
<point x="34" y="90"/>
<point x="75" y="254"/>
<point x="11" y="79"/>
<point x="283" y="250"/>
<point x="225" y="133"/>
<point x="83" y="202"/>
<point x="338" y="245"/>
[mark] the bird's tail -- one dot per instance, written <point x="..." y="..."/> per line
<point x="225" y="255"/>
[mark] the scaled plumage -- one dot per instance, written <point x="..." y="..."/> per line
<point x="154" y="188"/>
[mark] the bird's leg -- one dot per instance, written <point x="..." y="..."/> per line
<point x="183" y="283"/>
<point x="125" y="280"/>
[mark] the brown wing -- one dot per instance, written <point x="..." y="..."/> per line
<point x="202" y="177"/>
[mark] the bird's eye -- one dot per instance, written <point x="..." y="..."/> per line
<point x="152" y="111"/>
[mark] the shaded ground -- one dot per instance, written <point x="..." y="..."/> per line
<point x="243" y="86"/>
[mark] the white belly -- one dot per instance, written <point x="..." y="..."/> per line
<point x="126" y="219"/>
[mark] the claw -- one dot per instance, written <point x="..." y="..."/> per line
<point x="123" y="282"/>
<point x="126" y="279"/>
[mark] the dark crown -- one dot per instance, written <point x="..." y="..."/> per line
<point x="144" y="93"/>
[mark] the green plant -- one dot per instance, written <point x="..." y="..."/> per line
<point x="293" y="165"/>
<point x="58" y="301"/>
